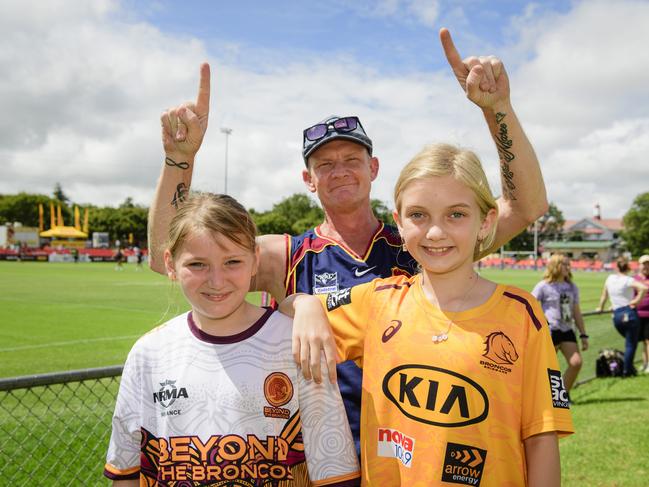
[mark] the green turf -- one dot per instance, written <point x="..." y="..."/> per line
<point x="611" y="442"/>
<point x="56" y="317"/>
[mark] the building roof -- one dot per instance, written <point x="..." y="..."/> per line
<point x="594" y="245"/>
<point x="612" y="224"/>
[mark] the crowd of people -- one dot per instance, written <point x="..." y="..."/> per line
<point x="435" y="358"/>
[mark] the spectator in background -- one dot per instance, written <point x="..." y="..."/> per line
<point x="620" y="288"/>
<point x="119" y="258"/>
<point x="137" y="251"/>
<point x="559" y="298"/>
<point x="643" y="311"/>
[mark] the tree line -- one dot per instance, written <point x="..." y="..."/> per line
<point x="293" y="215"/>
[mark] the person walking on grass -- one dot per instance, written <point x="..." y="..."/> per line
<point x="559" y="298"/>
<point x="643" y="311"/>
<point x="458" y="371"/>
<point x="351" y="246"/>
<point x="620" y="288"/>
<point x="212" y="397"/>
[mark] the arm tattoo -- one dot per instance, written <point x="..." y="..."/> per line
<point x="504" y="144"/>
<point x="180" y="195"/>
<point x="181" y="165"/>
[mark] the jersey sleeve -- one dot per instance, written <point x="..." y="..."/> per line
<point x="328" y="445"/>
<point x="123" y="457"/>
<point x="546" y="405"/>
<point x="537" y="292"/>
<point x="348" y="313"/>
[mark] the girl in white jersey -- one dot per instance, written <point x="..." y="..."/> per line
<point x="212" y="397"/>
<point x="460" y="379"/>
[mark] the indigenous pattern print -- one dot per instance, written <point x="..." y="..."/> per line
<point x="320" y="265"/>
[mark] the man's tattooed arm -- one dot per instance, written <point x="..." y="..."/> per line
<point x="504" y="145"/>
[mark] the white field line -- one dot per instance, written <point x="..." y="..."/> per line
<point x="68" y="343"/>
<point x="75" y="305"/>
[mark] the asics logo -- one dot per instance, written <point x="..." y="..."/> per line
<point x="359" y="273"/>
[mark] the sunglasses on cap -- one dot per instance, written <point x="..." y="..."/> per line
<point x="346" y="128"/>
<point x="341" y="125"/>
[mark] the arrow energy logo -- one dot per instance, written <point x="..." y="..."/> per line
<point x="463" y="464"/>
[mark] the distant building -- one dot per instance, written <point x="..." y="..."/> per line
<point x="589" y="238"/>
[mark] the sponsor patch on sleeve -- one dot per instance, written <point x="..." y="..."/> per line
<point x="339" y="298"/>
<point x="463" y="464"/>
<point x="559" y="393"/>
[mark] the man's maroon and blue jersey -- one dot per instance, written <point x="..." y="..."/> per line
<point x="320" y="265"/>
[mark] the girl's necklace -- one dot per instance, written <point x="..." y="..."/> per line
<point x="442" y="337"/>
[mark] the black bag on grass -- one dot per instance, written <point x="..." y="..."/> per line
<point x="609" y="363"/>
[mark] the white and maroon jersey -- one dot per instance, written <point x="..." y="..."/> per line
<point x="196" y="409"/>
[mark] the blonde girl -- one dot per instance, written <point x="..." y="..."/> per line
<point x="460" y="378"/>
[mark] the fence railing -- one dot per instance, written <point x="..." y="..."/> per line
<point x="54" y="428"/>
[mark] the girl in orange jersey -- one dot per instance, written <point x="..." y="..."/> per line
<point x="461" y="383"/>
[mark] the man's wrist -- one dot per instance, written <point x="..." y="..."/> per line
<point x="504" y="106"/>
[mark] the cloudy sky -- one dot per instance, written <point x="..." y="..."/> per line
<point x="84" y="82"/>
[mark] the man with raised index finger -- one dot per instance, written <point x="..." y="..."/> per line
<point x="351" y="246"/>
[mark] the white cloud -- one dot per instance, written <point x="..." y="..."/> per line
<point x="427" y="11"/>
<point x="584" y="94"/>
<point x="82" y="95"/>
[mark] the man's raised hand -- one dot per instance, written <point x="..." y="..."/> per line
<point x="184" y="126"/>
<point x="483" y="79"/>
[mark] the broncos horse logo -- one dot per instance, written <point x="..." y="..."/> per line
<point x="500" y="349"/>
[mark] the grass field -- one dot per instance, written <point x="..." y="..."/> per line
<point x="56" y="317"/>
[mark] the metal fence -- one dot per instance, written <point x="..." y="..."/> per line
<point x="54" y="428"/>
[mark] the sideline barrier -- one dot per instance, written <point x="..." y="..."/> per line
<point x="54" y="428"/>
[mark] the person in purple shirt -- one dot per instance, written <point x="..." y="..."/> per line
<point x="559" y="298"/>
<point x="643" y="311"/>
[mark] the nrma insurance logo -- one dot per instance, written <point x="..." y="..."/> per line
<point x="168" y="393"/>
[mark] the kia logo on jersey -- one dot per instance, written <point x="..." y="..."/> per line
<point x="436" y="396"/>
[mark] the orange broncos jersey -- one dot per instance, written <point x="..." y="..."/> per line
<point x="455" y="412"/>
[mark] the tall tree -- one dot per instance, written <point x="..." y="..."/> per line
<point x="23" y="208"/>
<point x="382" y="211"/>
<point x="293" y="215"/>
<point x="636" y="225"/>
<point x="59" y="194"/>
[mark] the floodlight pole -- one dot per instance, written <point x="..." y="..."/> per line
<point x="227" y="132"/>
